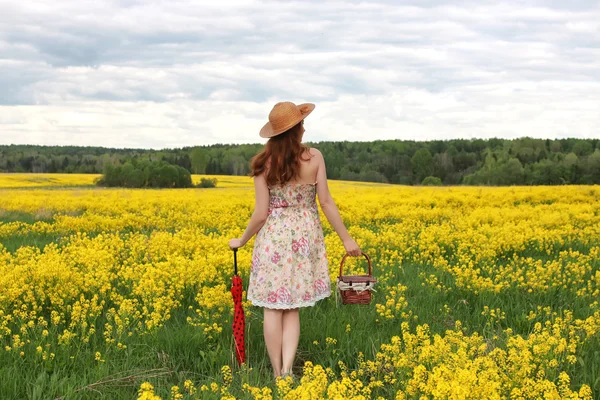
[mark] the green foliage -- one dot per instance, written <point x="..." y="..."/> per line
<point x="133" y="174"/>
<point x="432" y="181"/>
<point x="207" y="183"/>
<point x="498" y="169"/>
<point x="422" y="164"/>
<point x="495" y="161"/>
<point x="199" y="159"/>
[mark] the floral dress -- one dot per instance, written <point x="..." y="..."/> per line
<point x="289" y="262"/>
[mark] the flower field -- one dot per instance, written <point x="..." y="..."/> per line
<point x="482" y="293"/>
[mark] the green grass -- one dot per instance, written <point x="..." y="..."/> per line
<point x="179" y="351"/>
<point x="39" y="240"/>
<point x="27" y="218"/>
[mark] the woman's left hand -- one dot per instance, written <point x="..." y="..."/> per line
<point x="235" y="243"/>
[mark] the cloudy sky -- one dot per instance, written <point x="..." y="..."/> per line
<point x="158" y="74"/>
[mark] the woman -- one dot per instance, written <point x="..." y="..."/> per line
<point x="289" y="262"/>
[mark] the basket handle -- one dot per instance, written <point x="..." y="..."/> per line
<point x="364" y="254"/>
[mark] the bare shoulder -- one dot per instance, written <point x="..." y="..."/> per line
<point x="315" y="153"/>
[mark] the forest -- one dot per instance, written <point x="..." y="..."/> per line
<point x="522" y="161"/>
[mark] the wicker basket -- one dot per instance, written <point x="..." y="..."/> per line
<point x="363" y="285"/>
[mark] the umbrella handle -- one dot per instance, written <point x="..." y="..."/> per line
<point x="235" y="261"/>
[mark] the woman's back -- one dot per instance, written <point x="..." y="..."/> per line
<point x="297" y="195"/>
<point x="308" y="169"/>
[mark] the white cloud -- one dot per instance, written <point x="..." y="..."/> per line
<point x="173" y="74"/>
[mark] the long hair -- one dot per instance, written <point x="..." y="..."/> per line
<point x="280" y="158"/>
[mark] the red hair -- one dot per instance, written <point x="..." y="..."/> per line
<point x="280" y="158"/>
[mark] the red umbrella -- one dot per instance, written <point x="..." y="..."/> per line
<point x="239" y="322"/>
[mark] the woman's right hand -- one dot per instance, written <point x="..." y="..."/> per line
<point x="352" y="248"/>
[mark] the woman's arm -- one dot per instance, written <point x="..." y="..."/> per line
<point x="261" y="208"/>
<point x="326" y="201"/>
<point x="330" y="208"/>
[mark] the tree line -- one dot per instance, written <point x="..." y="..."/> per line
<point x="149" y="174"/>
<point x="522" y="161"/>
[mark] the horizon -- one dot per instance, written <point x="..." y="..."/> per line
<point x="262" y="144"/>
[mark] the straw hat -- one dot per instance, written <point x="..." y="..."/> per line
<point x="283" y="116"/>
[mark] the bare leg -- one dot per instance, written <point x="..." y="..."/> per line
<point x="291" y="337"/>
<point x="272" y="328"/>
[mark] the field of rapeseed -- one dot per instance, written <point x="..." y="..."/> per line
<point x="483" y="293"/>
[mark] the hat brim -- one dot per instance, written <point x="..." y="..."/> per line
<point x="267" y="130"/>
